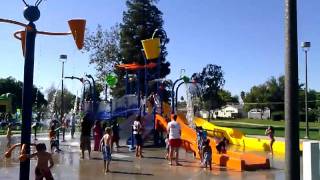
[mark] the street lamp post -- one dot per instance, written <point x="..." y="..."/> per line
<point x="306" y="47"/>
<point x="82" y="81"/>
<point x="292" y="155"/>
<point x="63" y="59"/>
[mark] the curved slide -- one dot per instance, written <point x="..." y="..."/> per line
<point x="236" y="137"/>
<point x="232" y="160"/>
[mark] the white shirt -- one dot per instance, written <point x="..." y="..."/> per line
<point x="174" y="130"/>
<point x="136" y="127"/>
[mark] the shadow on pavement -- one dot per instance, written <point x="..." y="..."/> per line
<point x="131" y="173"/>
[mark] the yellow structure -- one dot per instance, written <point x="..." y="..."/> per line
<point x="236" y="137"/>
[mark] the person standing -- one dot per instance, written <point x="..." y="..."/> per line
<point x="174" y="132"/>
<point x="85" y="143"/>
<point x="97" y="135"/>
<point x="73" y="124"/>
<point x="64" y="126"/>
<point x="115" y="135"/>
<point x="137" y="132"/>
<point x="9" y="135"/>
<point x="270" y="132"/>
<point x="105" y="147"/>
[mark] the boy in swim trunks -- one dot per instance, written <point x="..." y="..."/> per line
<point x="42" y="169"/>
<point x="105" y="147"/>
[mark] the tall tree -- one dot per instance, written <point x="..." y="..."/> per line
<point x="210" y="82"/>
<point x="122" y="44"/>
<point x="104" y="49"/>
<point x="139" y="22"/>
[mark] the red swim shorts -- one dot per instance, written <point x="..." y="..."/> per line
<point x="175" y="143"/>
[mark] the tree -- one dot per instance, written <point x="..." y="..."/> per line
<point x="104" y="49"/>
<point x="54" y="97"/>
<point x="122" y="44"/>
<point x="226" y="97"/>
<point x="210" y="82"/>
<point x="139" y="22"/>
<point x="271" y="94"/>
<point x="13" y="86"/>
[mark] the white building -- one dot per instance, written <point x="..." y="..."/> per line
<point x="259" y="114"/>
<point x="228" y="111"/>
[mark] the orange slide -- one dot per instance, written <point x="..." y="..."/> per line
<point x="232" y="160"/>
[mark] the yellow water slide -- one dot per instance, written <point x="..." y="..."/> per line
<point x="236" y="137"/>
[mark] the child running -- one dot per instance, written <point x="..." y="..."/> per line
<point x="42" y="169"/>
<point x="105" y="147"/>
<point x="53" y="141"/>
<point x="207" y="154"/>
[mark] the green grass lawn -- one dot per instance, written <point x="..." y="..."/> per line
<point x="257" y="127"/>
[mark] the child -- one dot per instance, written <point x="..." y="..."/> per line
<point x="199" y="140"/>
<point x="9" y="135"/>
<point x="222" y="146"/>
<point x="42" y="169"/>
<point x="53" y="141"/>
<point x="167" y="147"/>
<point x="105" y="146"/>
<point x="207" y="154"/>
<point x="270" y="132"/>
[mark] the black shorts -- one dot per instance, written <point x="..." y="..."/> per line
<point x="138" y="139"/>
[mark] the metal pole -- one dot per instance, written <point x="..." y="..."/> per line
<point x="172" y="95"/>
<point x="62" y="100"/>
<point x="27" y="98"/>
<point x="106" y="93"/>
<point x="292" y="155"/>
<point x="177" y="89"/>
<point x="306" y="97"/>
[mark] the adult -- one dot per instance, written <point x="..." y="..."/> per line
<point x="73" y="124"/>
<point x="174" y="132"/>
<point x="85" y="143"/>
<point x="137" y="132"/>
<point x="97" y="135"/>
<point x="115" y="136"/>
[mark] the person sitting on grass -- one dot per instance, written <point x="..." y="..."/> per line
<point x="105" y="147"/>
<point x="207" y="154"/>
<point x="42" y="169"/>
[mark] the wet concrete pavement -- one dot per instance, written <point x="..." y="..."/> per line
<point x="69" y="166"/>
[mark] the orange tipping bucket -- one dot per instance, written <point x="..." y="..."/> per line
<point x="151" y="48"/>
<point x="77" y="27"/>
<point x="23" y="42"/>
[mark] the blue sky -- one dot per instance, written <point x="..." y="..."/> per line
<point x="245" y="37"/>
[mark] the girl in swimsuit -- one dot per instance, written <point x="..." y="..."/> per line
<point x="270" y="132"/>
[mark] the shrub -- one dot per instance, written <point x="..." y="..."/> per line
<point x="277" y="115"/>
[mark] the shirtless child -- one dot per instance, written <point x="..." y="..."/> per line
<point x="105" y="147"/>
<point x="42" y="169"/>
